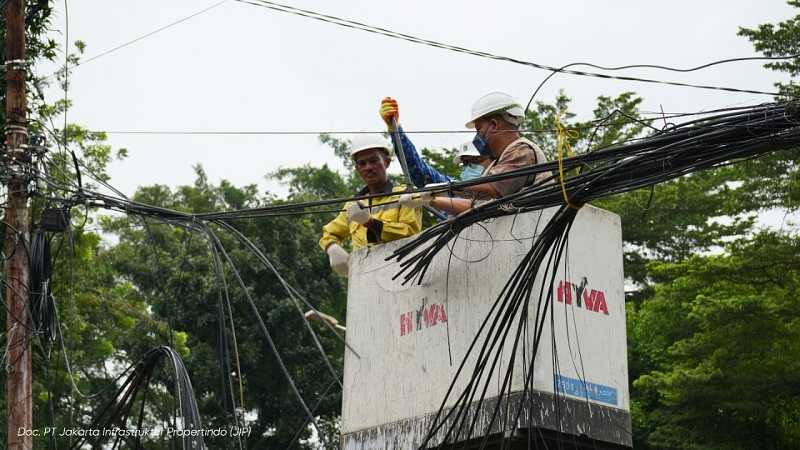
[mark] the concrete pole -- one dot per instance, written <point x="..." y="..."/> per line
<point x="18" y="321"/>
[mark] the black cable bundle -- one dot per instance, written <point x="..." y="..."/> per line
<point x="684" y="149"/>
<point x="690" y="147"/>
<point x="40" y="298"/>
<point x="111" y="423"/>
<point x="459" y="423"/>
<point x="726" y="137"/>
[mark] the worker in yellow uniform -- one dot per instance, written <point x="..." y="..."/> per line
<point x="365" y="222"/>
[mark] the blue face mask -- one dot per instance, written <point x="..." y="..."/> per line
<point x="482" y="145"/>
<point x="471" y="171"/>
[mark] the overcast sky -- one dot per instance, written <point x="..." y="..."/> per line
<point x="242" y="67"/>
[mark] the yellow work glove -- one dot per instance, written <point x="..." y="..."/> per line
<point x="389" y="110"/>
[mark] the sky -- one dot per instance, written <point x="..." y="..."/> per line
<point x="239" y="67"/>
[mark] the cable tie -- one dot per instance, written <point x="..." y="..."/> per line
<point x="508" y="207"/>
<point x="563" y="136"/>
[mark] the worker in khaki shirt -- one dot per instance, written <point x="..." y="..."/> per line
<point x="496" y="118"/>
<point x="361" y="221"/>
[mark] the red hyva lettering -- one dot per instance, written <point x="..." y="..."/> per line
<point x="426" y="316"/>
<point x="592" y="300"/>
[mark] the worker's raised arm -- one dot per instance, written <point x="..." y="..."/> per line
<point x="421" y="172"/>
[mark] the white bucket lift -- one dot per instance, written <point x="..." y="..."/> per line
<point x="405" y="335"/>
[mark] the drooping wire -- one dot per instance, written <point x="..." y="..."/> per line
<point x="291" y="293"/>
<point x="224" y="297"/>
<point x="313" y="411"/>
<point x="116" y="413"/>
<point x="218" y="244"/>
<point x="417" y="40"/>
<point x="144" y="36"/>
<point x="591" y="125"/>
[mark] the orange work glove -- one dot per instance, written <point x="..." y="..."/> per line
<point x="389" y="110"/>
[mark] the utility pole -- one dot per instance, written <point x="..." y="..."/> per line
<point x="18" y="321"/>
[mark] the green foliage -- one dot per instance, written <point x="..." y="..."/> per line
<point x="780" y="170"/>
<point x="172" y="268"/>
<point x="618" y="119"/>
<point x="722" y="335"/>
<point x="713" y="340"/>
<point x="713" y="320"/>
<point x="780" y="40"/>
<point x="102" y="318"/>
<point x="698" y="326"/>
<point x="309" y="183"/>
<point x="38" y="45"/>
<point x="100" y="315"/>
<point x="443" y="160"/>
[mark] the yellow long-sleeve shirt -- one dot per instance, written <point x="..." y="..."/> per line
<point x="396" y="223"/>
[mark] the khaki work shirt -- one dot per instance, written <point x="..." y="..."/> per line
<point x="518" y="154"/>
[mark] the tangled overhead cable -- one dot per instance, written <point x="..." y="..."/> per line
<point x="115" y="415"/>
<point x="690" y="147"/>
<point x="725" y="138"/>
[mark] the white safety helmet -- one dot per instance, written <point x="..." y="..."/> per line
<point x="366" y="141"/>
<point x="495" y="102"/>
<point x="466" y="149"/>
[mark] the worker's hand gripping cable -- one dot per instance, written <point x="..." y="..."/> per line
<point x="416" y="200"/>
<point x="358" y="214"/>
<point x="390" y="113"/>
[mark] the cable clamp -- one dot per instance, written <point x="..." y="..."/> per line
<point x="20" y="129"/>
<point x="15" y="64"/>
<point x="509" y="208"/>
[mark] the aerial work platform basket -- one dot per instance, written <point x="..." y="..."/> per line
<point x="411" y="339"/>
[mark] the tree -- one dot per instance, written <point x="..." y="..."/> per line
<point x="172" y="268"/>
<point x="97" y="318"/>
<point x="782" y="171"/>
<point x="713" y="341"/>
<point x="38" y="45"/>
<point x="96" y="315"/>
<point x="723" y="336"/>
<point x="664" y="229"/>
<point x="780" y="40"/>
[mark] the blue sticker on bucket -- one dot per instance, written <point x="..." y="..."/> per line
<point x="578" y="388"/>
